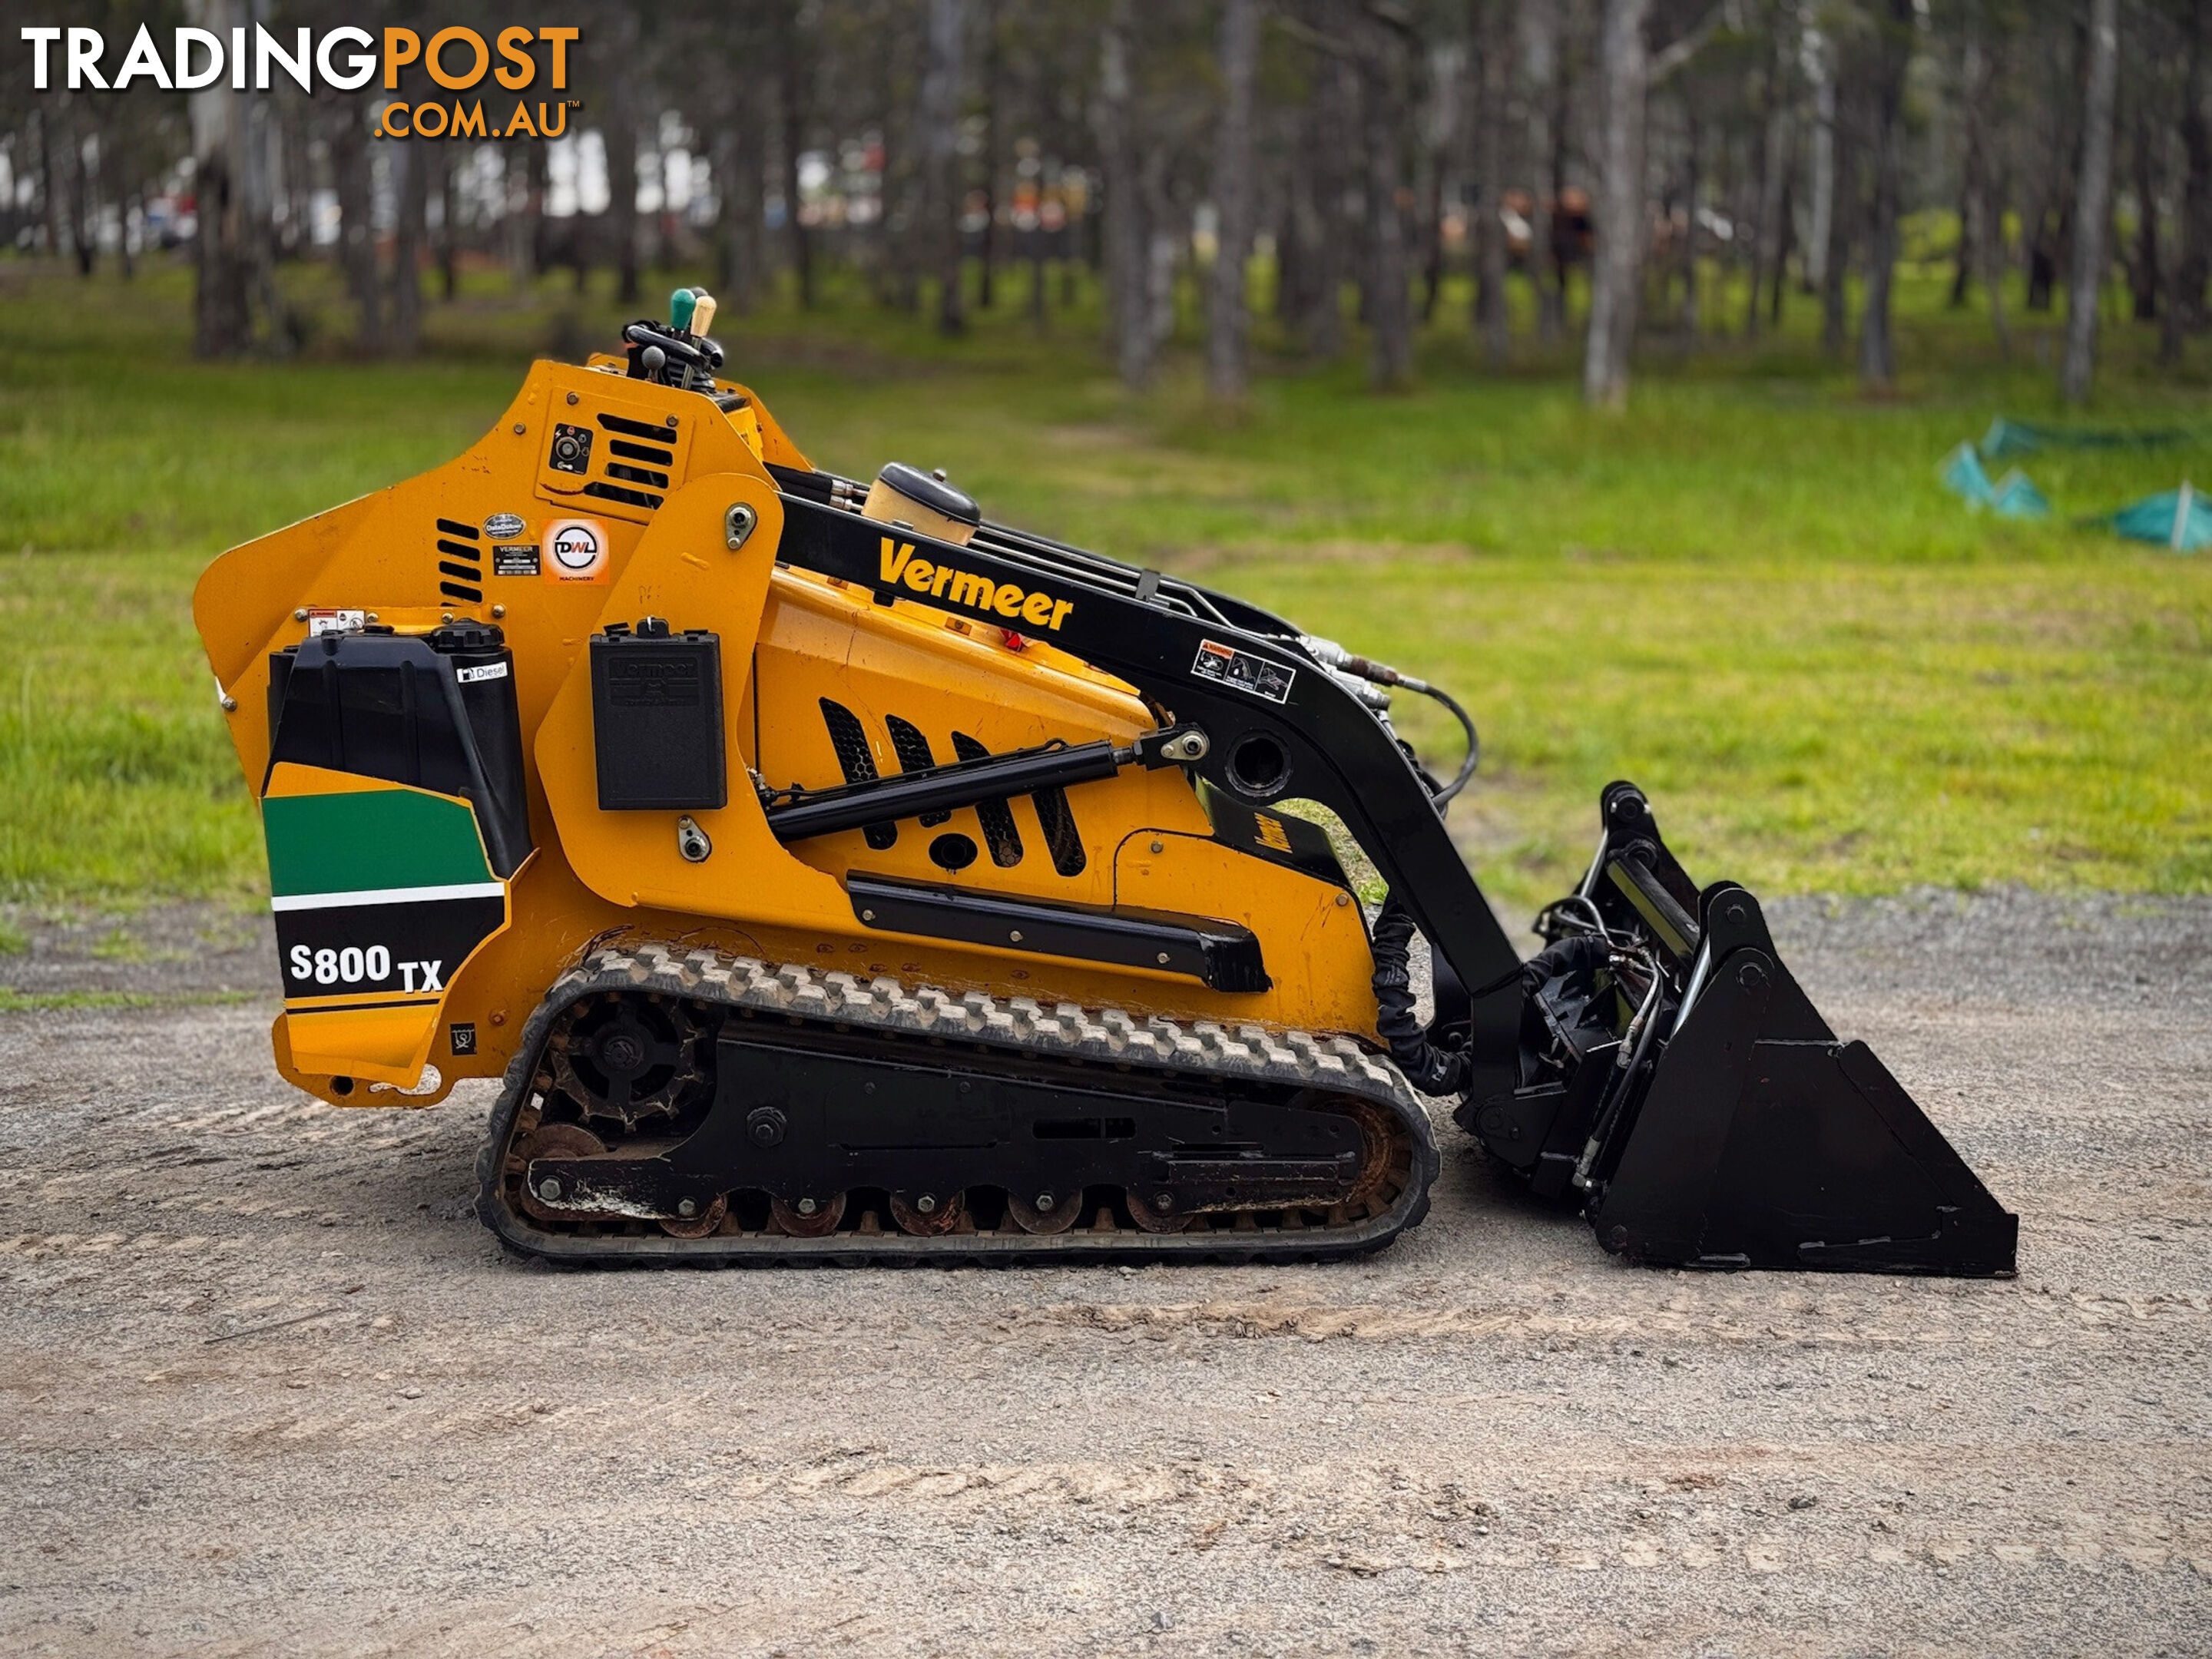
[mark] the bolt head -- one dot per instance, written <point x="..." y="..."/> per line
<point x="1163" y="958"/>
<point x="548" y="1188"/>
<point x="1159" y="846"/>
<point x="1163" y="1201"/>
<point x="686" y="1208"/>
<point x="926" y="1204"/>
<point x="572" y="397"/>
<point x="807" y="1206"/>
<point x="1045" y="1200"/>
<point x="520" y="429"/>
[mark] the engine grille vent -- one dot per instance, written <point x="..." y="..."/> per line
<point x="854" y="758"/>
<point x="912" y="747"/>
<point x="459" y="562"/>
<point x="997" y="816"/>
<point x="1062" y="839"/>
<point x="657" y="452"/>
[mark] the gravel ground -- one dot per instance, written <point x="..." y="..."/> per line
<point x="269" y="1387"/>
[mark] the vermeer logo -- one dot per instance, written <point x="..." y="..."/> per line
<point x="942" y="582"/>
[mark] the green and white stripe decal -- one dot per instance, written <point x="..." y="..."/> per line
<point x="372" y="847"/>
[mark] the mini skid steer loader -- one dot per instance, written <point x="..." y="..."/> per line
<point x="834" y="875"/>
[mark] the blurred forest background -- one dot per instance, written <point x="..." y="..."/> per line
<point x="1684" y="169"/>
<point x="1596" y="360"/>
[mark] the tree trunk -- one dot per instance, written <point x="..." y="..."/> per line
<point x="412" y="156"/>
<point x="2049" y="226"/>
<point x="2143" y="282"/>
<point x="1547" y="260"/>
<point x="1984" y="228"/>
<point x="1822" y="209"/>
<point x="620" y="137"/>
<point x="449" y="225"/>
<point x="2092" y="202"/>
<point x="1492" y="48"/>
<point x="994" y="95"/>
<point x="1335" y="139"/>
<point x="1128" y="297"/>
<point x="1785" y="232"/>
<point x="223" y="310"/>
<point x="791" y="100"/>
<point x="527" y="218"/>
<point x="1227" y="317"/>
<point x="1617" y="268"/>
<point x="1877" y="345"/>
<point x="1973" y="163"/>
<point x="1692" y="191"/>
<point x="50" y="177"/>
<point x="2195" y="265"/>
<point x="942" y="203"/>
<point x="738" y="162"/>
<point x="1836" y="253"/>
<point x="356" y="226"/>
<point x="1773" y="169"/>
<point x="1389" y="302"/>
<point x="84" y="244"/>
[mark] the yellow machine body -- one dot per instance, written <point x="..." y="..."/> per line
<point x="499" y="536"/>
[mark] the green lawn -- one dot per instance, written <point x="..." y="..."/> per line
<point x="1749" y="593"/>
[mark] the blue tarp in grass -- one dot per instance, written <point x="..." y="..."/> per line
<point x="2179" y="519"/>
<point x="2019" y="438"/>
<point x="2011" y="496"/>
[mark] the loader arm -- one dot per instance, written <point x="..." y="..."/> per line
<point x="1278" y="725"/>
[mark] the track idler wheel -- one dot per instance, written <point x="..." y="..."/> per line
<point x="1152" y="1216"/>
<point x="705" y="1224"/>
<point x="808" y="1217"/>
<point x="929" y="1215"/>
<point x="1047" y="1213"/>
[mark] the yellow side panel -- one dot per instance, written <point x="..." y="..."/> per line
<point x="684" y="571"/>
<point x="1313" y="939"/>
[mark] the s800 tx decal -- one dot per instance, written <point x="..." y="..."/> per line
<point x="380" y="892"/>
<point x="408" y="948"/>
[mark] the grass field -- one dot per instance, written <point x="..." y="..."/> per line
<point x="1749" y="593"/>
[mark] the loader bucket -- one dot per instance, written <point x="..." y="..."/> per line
<point x="1729" y="1127"/>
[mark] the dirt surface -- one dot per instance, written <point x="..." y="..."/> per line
<point x="269" y="1387"/>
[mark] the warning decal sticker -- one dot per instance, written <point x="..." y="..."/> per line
<point x="1245" y="672"/>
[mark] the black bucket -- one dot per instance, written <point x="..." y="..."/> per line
<point x="1676" y="1079"/>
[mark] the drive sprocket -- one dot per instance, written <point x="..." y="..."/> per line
<point x="633" y="1060"/>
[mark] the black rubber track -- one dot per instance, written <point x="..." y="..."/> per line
<point x="805" y="996"/>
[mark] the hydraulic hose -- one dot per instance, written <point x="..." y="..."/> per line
<point x="1466" y="725"/>
<point x="1335" y="656"/>
<point x="1432" y="1070"/>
